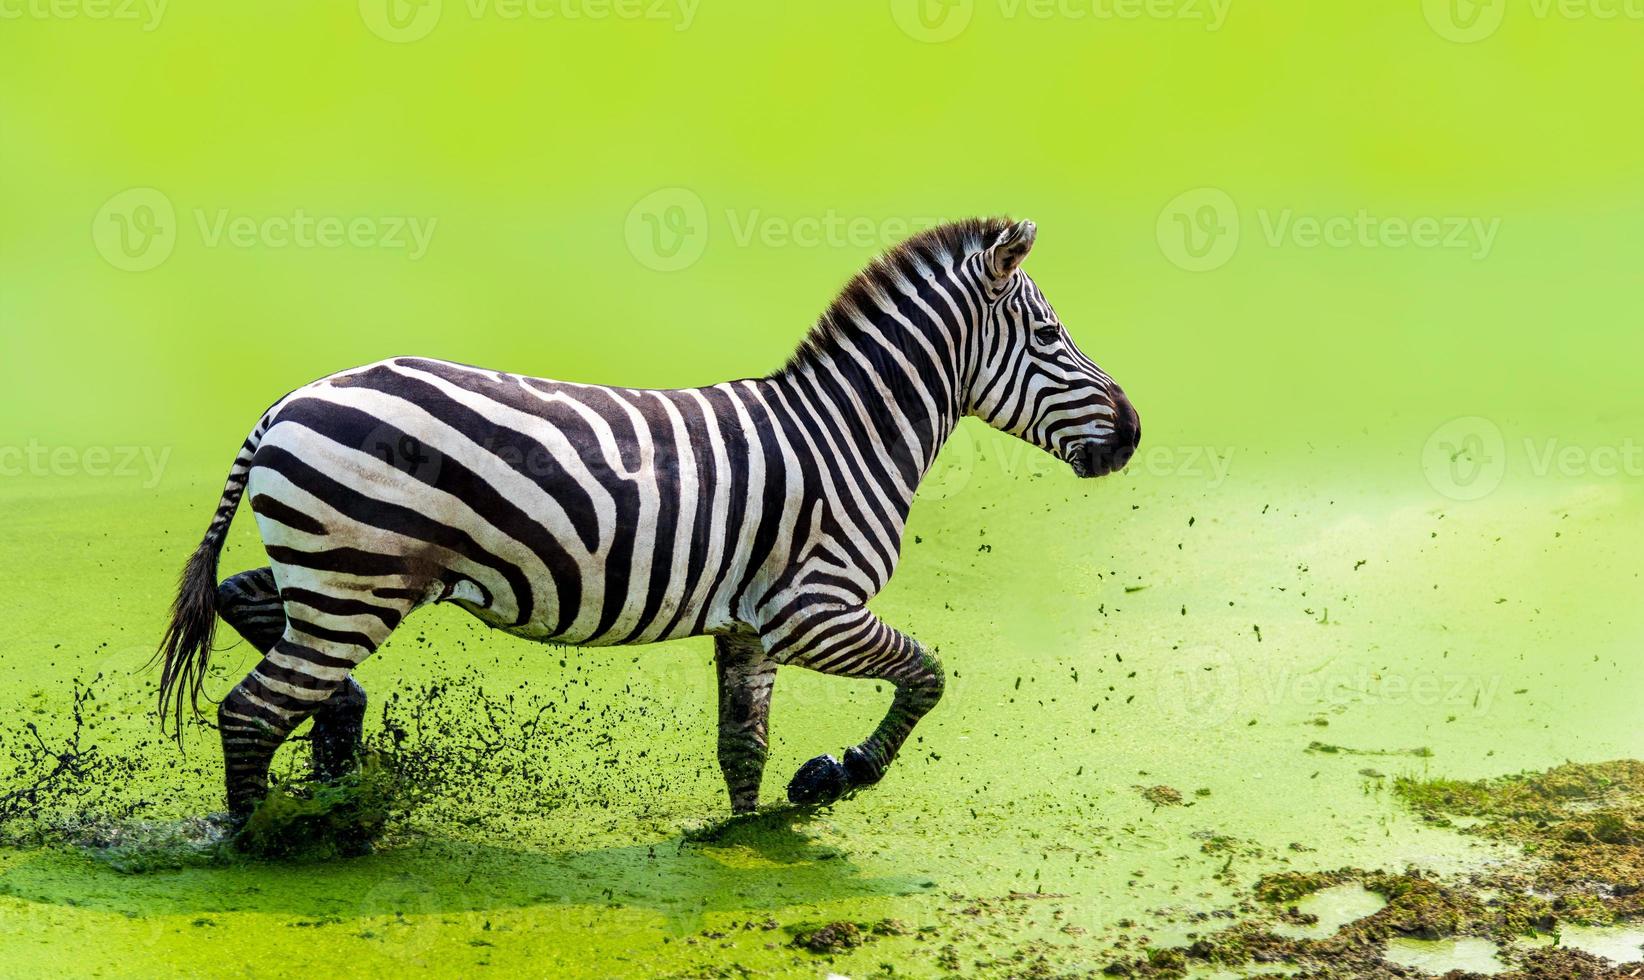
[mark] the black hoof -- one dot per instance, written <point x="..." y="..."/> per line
<point x="860" y="768"/>
<point x="227" y="824"/>
<point x="819" y="781"/>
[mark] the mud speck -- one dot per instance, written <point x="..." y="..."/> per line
<point x="1162" y="795"/>
<point x="835" y="937"/>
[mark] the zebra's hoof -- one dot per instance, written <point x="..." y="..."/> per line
<point x="818" y="782"/>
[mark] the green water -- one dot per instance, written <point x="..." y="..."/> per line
<point x="1025" y="780"/>
<point x="1332" y="908"/>
<point x="1389" y="497"/>
<point x="1438" y="956"/>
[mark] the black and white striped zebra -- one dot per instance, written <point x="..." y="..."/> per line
<point x="765" y="512"/>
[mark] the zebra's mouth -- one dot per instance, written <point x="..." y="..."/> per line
<point x="1094" y="457"/>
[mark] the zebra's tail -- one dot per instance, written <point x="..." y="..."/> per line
<point x="185" y="650"/>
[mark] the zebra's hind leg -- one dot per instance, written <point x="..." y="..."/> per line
<point x="326" y="637"/>
<point x="338" y="736"/>
<point x="854" y="643"/>
<point x="746" y="674"/>
<point x="250" y="602"/>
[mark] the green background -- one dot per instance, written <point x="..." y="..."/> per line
<point x="1438" y="445"/>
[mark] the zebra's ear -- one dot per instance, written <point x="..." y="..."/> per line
<point x="1005" y="255"/>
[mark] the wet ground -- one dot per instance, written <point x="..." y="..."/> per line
<point x="1168" y="692"/>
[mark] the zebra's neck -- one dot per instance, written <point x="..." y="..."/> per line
<point x="887" y="393"/>
<point x="893" y="360"/>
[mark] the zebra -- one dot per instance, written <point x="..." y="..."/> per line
<point x="764" y="512"/>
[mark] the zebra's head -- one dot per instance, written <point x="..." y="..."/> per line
<point x="1032" y="380"/>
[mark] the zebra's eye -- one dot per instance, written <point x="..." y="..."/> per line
<point x="1048" y="335"/>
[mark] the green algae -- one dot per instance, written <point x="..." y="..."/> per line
<point x="1576" y="828"/>
<point x="578" y="810"/>
<point x="1582" y="823"/>
<point x="312" y="820"/>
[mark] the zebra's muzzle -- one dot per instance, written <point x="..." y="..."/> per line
<point x="1099" y="457"/>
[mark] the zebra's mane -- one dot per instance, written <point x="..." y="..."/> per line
<point x="942" y="244"/>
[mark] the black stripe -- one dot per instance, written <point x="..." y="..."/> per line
<point x="294" y="678"/>
<point x="299" y="651"/>
<point x="291" y="517"/>
<point x="350" y="561"/>
<point x="351" y="638"/>
<point x="341" y="607"/>
<point x="774" y="493"/>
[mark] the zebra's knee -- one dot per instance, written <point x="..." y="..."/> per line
<point x="250" y="602"/>
<point x="925" y="686"/>
<point x="242" y="724"/>
<point x="256" y="585"/>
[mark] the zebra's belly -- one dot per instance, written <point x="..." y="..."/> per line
<point x="631" y="619"/>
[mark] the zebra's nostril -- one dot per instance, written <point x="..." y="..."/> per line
<point x="1132" y="423"/>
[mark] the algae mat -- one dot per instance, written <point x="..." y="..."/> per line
<point x="1165" y="688"/>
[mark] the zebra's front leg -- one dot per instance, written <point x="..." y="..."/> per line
<point x="746" y="675"/>
<point x="854" y="643"/>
